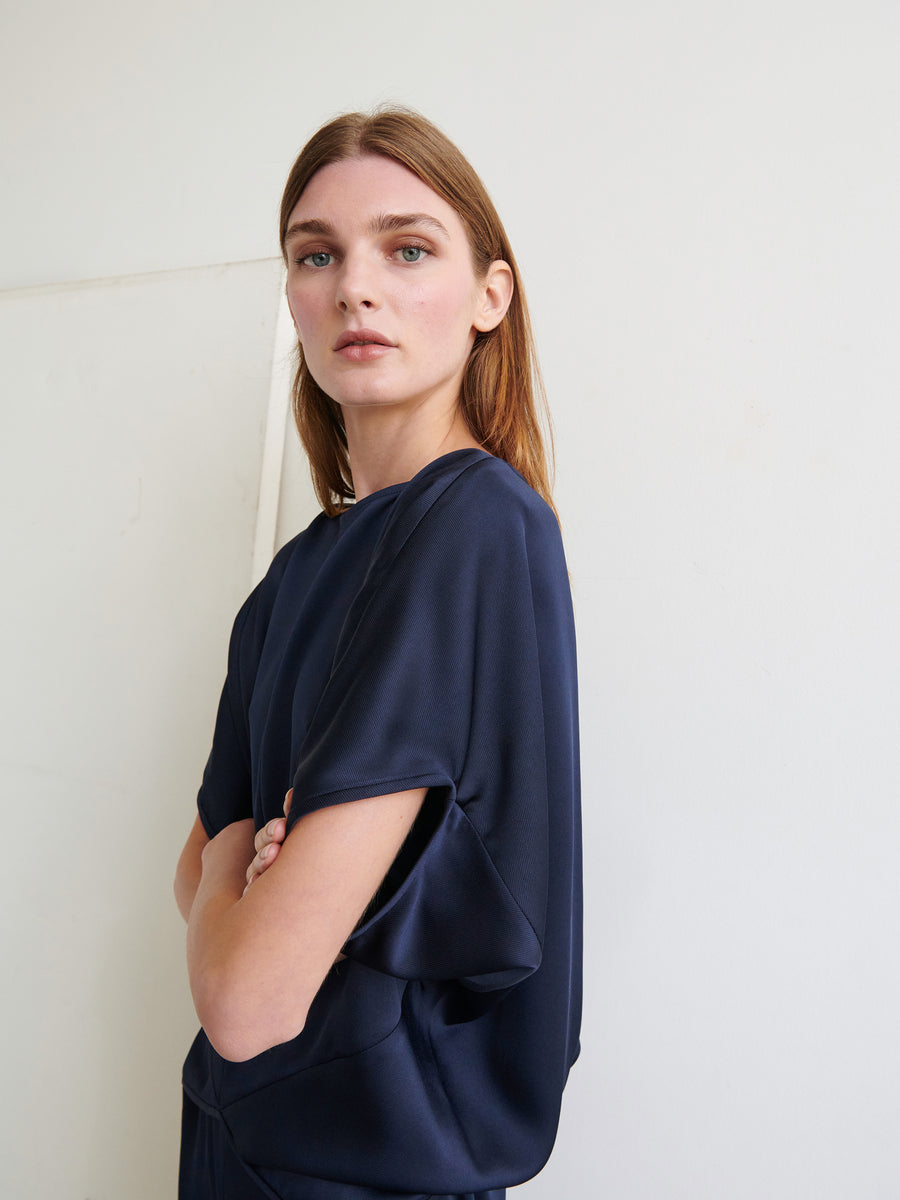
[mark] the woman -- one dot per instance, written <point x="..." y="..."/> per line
<point x="388" y="975"/>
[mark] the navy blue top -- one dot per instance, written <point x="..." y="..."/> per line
<point x="423" y="638"/>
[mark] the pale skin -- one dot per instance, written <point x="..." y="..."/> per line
<point x="370" y="247"/>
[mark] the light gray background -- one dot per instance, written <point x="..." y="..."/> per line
<point x="704" y="200"/>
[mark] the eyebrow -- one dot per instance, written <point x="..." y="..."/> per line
<point x="394" y="222"/>
<point x="383" y="223"/>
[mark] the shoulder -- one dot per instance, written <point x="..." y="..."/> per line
<point x="302" y="544"/>
<point x="491" y="515"/>
<point x="254" y="615"/>
<point x="484" y="496"/>
<point x="308" y="546"/>
<point x="469" y="525"/>
<point x="495" y="484"/>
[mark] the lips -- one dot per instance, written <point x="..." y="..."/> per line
<point x="362" y="337"/>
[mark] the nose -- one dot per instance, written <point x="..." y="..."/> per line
<point x="357" y="285"/>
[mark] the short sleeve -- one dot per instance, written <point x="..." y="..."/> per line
<point x="439" y="681"/>
<point x="225" y="792"/>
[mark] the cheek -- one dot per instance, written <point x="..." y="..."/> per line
<point x="446" y="315"/>
<point x="295" y="309"/>
<point x="303" y="312"/>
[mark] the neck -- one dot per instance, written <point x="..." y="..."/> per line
<point x="387" y="446"/>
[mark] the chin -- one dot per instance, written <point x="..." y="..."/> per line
<point x="360" y="403"/>
<point x="367" y="397"/>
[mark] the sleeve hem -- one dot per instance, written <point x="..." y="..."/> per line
<point x="207" y="824"/>
<point x="364" y="790"/>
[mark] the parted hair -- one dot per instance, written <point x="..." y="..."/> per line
<point x="502" y="395"/>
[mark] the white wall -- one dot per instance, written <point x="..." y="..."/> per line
<point x="129" y="468"/>
<point x="703" y="198"/>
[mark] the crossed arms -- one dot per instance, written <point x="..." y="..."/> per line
<point x="262" y="937"/>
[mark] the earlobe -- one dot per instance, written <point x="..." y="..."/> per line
<point x="496" y="296"/>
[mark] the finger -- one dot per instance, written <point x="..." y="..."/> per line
<point x="273" y="832"/>
<point x="263" y="860"/>
<point x="288" y="800"/>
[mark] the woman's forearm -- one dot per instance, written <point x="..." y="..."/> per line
<point x="257" y="956"/>
<point x="213" y="925"/>
<point x="189" y="869"/>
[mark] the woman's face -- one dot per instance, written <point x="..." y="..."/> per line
<point x="381" y="286"/>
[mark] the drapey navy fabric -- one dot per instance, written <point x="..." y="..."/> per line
<point x="423" y="638"/>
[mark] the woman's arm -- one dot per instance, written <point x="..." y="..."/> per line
<point x="257" y="956"/>
<point x="187" y="873"/>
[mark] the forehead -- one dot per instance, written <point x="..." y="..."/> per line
<point x="354" y="190"/>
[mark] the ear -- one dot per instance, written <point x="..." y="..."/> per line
<point x="496" y="294"/>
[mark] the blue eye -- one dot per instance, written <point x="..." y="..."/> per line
<point x="413" y="254"/>
<point x="320" y="258"/>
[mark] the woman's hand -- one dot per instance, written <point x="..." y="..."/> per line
<point x="267" y="843"/>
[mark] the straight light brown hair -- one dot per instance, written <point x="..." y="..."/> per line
<point x="502" y="396"/>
